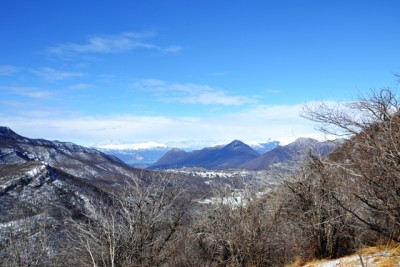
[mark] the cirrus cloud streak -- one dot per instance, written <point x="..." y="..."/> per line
<point x="110" y="44"/>
<point x="190" y="93"/>
<point x="51" y="74"/>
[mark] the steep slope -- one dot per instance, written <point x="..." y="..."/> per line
<point x="219" y="157"/>
<point x="38" y="203"/>
<point x="290" y="153"/>
<point x="33" y="188"/>
<point x="76" y="160"/>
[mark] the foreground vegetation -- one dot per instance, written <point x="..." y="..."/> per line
<point x="329" y="208"/>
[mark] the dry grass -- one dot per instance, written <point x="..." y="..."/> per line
<point x="392" y="258"/>
<point x="389" y="261"/>
<point x="372" y="250"/>
<point x="395" y="251"/>
<point x="380" y="248"/>
<point x="382" y="255"/>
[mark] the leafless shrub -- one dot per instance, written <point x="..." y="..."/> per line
<point x="369" y="163"/>
<point x="141" y="228"/>
<point x="238" y="229"/>
<point x="320" y="227"/>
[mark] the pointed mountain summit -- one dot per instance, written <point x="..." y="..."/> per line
<point x="218" y="157"/>
<point x="238" y="145"/>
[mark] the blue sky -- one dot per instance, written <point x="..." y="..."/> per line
<point x="139" y="71"/>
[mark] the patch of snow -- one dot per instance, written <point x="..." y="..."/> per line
<point x="35" y="171"/>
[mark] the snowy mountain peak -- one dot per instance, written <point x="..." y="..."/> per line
<point x="237" y="145"/>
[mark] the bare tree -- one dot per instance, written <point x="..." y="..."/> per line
<point x="350" y="118"/>
<point x="24" y="243"/>
<point x="320" y="227"/>
<point x="141" y="228"/>
<point x="238" y="229"/>
<point x="370" y="159"/>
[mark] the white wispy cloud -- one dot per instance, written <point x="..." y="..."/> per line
<point x="8" y="70"/>
<point x="269" y="113"/>
<point x="30" y="92"/>
<point x="36" y="94"/>
<point x="55" y="75"/>
<point x="256" y="124"/>
<point x="191" y="93"/>
<point x="104" y="44"/>
<point x="279" y="122"/>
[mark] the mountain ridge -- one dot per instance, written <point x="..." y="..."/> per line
<point x="217" y="157"/>
<point x="291" y="154"/>
<point x="237" y="154"/>
<point x="143" y="155"/>
<point x="79" y="161"/>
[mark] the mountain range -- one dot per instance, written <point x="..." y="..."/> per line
<point x="240" y="155"/>
<point x="218" y="157"/>
<point x="145" y="154"/>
